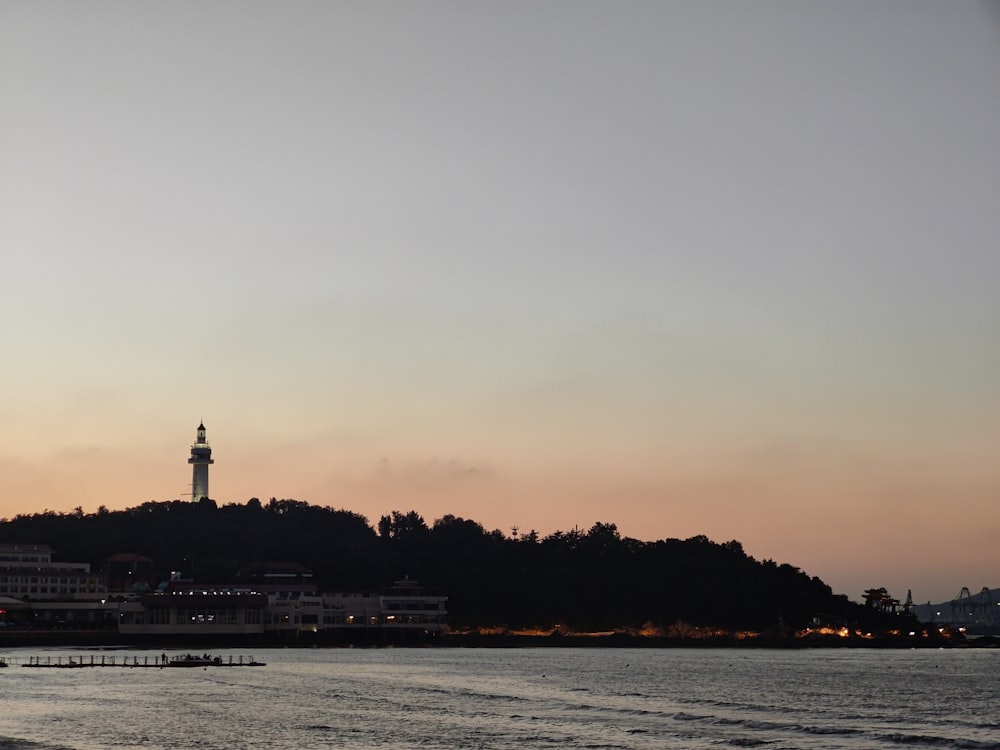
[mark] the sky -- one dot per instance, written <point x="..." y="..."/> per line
<point x="720" y="268"/>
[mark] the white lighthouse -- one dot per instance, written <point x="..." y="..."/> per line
<point x="201" y="457"/>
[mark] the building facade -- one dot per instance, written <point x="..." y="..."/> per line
<point x="193" y="613"/>
<point x="27" y="572"/>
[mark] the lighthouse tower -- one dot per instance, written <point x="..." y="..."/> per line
<point x="201" y="457"/>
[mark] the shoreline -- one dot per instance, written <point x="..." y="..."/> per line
<point x="105" y="640"/>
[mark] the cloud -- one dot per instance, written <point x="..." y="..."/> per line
<point x="433" y="472"/>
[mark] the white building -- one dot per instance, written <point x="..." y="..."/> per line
<point x="27" y="572"/>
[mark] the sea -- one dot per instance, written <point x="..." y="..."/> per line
<point x="492" y="698"/>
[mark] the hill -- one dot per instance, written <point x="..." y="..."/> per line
<point x="588" y="581"/>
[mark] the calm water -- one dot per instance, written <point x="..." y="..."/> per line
<point x="516" y="698"/>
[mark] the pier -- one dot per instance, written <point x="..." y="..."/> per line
<point x="133" y="662"/>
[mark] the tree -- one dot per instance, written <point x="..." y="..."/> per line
<point x="400" y="525"/>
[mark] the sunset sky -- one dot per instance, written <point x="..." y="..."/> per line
<point x="721" y="268"/>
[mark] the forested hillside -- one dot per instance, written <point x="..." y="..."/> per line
<point x="594" y="580"/>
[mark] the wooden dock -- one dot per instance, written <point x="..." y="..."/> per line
<point x="135" y="662"/>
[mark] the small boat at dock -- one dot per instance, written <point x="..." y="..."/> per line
<point x="193" y="660"/>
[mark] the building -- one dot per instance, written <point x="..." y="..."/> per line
<point x="406" y="606"/>
<point x="60" y="595"/>
<point x="27" y="572"/>
<point x="128" y="571"/>
<point x="193" y="613"/>
<point x="290" y="610"/>
<point x="201" y="459"/>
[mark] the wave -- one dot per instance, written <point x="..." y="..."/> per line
<point x="14" y="743"/>
<point x="762" y="728"/>
<point x="778" y="727"/>
<point x="684" y="716"/>
<point x="926" y="740"/>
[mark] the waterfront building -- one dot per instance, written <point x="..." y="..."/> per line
<point x="27" y="572"/>
<point x="193" y="613"/>
<point x="403" y="608"/>
<point x="285" y="610"/>
<point x="40" y="593"/>
<point x="406" y="606"/>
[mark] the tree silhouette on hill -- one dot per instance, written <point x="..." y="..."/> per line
<point x="593" y="580"/>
